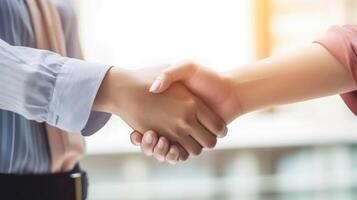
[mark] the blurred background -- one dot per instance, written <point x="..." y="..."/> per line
<point x="296" y="152"/>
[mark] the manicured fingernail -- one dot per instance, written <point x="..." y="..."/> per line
<point x="155" y="86"/>
<point x="149" y="138"/>
<point x="223" y="132"/>
<point x="160" y="144"/>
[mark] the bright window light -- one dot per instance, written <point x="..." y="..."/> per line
<point x="140" y="33"/>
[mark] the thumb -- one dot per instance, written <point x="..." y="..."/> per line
<point x="179" y="72"/>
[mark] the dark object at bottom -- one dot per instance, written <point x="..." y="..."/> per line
<point x="71" y="185"/>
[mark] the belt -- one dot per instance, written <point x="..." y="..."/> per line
<point x="71" y="185"/>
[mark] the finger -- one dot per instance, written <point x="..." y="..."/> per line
<point x="148" y="143"/>
<point x="190" y="144"/>
<point x="202" y="135"/>
<point x="136" y="138"/>
<point x="211" y="120"/>
<point x="173" y="155"/>
<point x="161" y="149"/>
<point x="183" y="153"/>
<point x="179" y="72"/>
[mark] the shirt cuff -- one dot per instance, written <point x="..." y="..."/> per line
<point x="74" y="92"/>
<point x="95" y="122"/>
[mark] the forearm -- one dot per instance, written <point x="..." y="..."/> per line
<point x="308" y="73"/>
<point x="108" y="96"/>
<point x="102" y="101"/>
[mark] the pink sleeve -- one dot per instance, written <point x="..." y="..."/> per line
<point x="341" y="42"/>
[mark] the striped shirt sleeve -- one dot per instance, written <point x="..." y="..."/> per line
<point x="45" y="87"/>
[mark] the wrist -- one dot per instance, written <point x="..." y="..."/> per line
<point x="106" y="99"/>
<point x="244" y="86"/>
<point x="254" y="85"/>
<point x="232" y="104"/>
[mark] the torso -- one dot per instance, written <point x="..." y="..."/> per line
<point x="23" y="143"/>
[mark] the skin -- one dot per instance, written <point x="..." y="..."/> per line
<point x="308" y="73"/>
<point x="177" y="114"/>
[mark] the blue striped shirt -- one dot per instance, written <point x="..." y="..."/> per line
<point x="39" y="86"/>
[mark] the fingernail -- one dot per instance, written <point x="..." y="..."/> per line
<point x="160" y="144"/>
<point x="148" y="138"/>
<point x="172" y="151"/>
<point x="223" y="132"/>
<point x="155" y="86"/>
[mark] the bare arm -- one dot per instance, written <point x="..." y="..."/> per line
<point x="307" y="73"/>
<point x="317" y="70"/>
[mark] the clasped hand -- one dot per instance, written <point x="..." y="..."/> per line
<point x="184" y="112"/>
<point x="216" y="90"/>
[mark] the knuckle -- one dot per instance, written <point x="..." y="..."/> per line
<point x="181" y="123"/>
<point x="191" y="103"/>
<point x="190" y="111"/>
<point x="189" y="63"/>
<point x="188" y="122"/>
<point x="183" y="126"/>
<point x="191" y="66"/>
<point x="167" y="74"/>
<point x="177" y="129"/>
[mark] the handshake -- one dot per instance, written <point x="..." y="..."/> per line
<point x="175" y="111"/>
